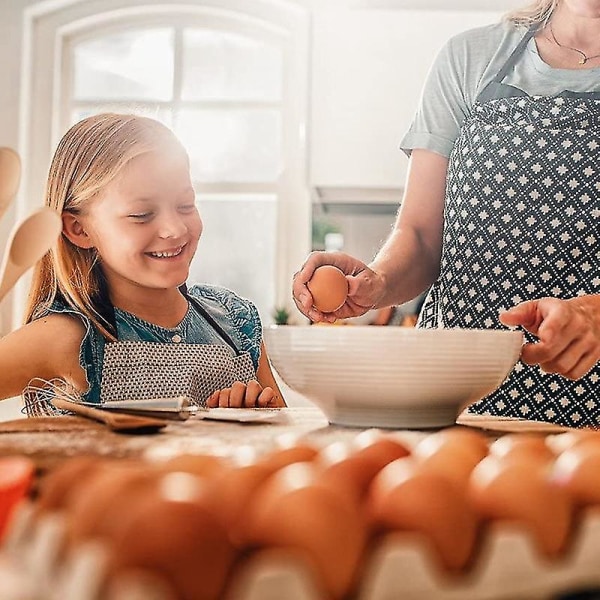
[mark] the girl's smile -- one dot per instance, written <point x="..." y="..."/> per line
<point x="145" y="226"/>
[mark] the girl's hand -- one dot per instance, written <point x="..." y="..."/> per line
<point x="568" y="333"/>
<point x="242" y="395"/>
<point x="365" y="287"/>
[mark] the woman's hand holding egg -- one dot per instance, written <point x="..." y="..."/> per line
<point x="313" y="287"/>
<point x="242" y="395"/>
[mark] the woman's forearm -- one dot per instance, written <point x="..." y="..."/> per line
<point x="409" y="261"/>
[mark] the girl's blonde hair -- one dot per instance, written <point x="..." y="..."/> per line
<point x="537" y="12"/>
<point x="89" y="156"/>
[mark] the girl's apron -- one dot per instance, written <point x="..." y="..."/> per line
<point x="135" y="370"/>
<point x="521" y="221"/>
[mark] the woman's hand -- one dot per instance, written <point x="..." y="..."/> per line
<point x="568" y="333"/>
<point x="365" y="286"/>
<point x="243" y="395"/>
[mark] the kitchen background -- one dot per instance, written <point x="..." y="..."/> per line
<point x="292" y="111"/>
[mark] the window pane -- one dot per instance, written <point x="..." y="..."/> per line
<point x="237" y="247"/>
<point x="224" y="66"/>
<point x="241" y="145"/>
<point x="131" y="65"/>
<point x="163" y="115"/>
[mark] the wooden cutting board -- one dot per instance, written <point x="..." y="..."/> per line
<point x="509" y="424"/>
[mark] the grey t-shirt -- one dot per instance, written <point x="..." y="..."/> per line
<point x="462" y="69"/>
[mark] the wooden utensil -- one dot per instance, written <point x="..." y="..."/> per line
<point x="28" y="241"/>
<point x="10" y="176"/>
<point x="115" y="421"/>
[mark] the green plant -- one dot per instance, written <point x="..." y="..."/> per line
<point x="281" y="315"/>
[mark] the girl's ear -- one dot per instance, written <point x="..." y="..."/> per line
<point x="74" y="231"/>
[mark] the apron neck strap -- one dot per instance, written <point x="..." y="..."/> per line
<point x="210" y="319"/>
<point x="516" y="53"/>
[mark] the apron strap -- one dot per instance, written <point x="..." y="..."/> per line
<point x="198" y="306"/>
<point x="516" y="53"/>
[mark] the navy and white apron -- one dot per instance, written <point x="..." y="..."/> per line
<point x="522" y="222"/>
<point x="139" y="370"/>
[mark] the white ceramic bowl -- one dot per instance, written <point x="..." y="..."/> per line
<point x="399" y="377"/>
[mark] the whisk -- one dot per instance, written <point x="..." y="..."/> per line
<point x="39" y="393"/>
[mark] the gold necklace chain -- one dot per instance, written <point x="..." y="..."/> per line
<point x="584" y="57"/>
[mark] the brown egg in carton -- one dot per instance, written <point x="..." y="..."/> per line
<point x="503" y="559"/>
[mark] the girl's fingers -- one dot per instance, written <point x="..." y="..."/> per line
<point x="224" y="398"/>
<point x="213" y="399"/>
<point x="253" y="390"/>
<point x="236" y="397"/>
<point x="266" y="398"/>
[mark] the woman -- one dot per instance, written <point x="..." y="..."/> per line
<point x="500" y="214"/>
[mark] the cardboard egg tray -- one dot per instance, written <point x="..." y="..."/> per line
<point x="507" y="566"/>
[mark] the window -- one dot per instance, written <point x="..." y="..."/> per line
<point x="231" y="85"/>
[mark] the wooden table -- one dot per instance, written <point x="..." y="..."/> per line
<point x="50" y="440"/>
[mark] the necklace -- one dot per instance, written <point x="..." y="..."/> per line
<point x="584" y="57"/>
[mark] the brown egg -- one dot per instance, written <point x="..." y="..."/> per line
<point x="577" y="470"/>
<point x="523" y="492"/>
<point x="452" y="453"/>
<point x="564" y="441"/>
<point x="173" y="533"/>
<point x="232" y="492"/>
<point x="382" y="448"/>
<point x="348" y="473"/>
<point x="288" y="451"/>
<point x="203" y="465"/>
<point x="522" y="447"/>
<point x="329" y="288"/>
<point x="293" y="511"/>
<point x="96" y="507"/>
<point x="58" y="484"/>
<point x="402" y="498"/>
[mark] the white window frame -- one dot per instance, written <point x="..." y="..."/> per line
<point x="50" y="26"/>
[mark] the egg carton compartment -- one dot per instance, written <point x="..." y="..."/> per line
<point x="401" y="565"/>
<point x="507" y="566"/>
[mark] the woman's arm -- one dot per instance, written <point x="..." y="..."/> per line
<point x="46" y="348"/>
<point x="409" y="261"/>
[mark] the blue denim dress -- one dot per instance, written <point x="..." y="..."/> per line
<point x="217" y="342"/>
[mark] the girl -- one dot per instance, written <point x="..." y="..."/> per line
<point x="109" y="312"/>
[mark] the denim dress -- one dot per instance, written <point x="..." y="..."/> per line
<point x="216" y="343"/>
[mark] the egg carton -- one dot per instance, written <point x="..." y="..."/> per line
<point x="401" y="565"/>
<point x="508" y="567"/>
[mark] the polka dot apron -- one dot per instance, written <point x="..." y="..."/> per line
<point x="522" y="221"/>
<point x="137" y="370"/>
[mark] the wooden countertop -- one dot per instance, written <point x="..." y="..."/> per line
<point x="48" y="440"/>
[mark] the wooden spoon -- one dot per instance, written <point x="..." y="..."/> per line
<point x="115" y="421"/>
<point x="28" y="241"/>
<point x="10" y="175"/>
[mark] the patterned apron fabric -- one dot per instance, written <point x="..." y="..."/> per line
<point x="145" y="370"/>
<point x="138" y="370"/>
<point x="522" y="221"/>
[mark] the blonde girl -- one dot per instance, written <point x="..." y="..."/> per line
<point x="109" y="310"/>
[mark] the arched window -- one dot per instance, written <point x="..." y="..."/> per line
<point x="231" y="84"/>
